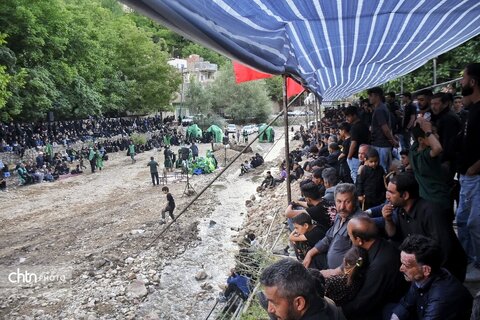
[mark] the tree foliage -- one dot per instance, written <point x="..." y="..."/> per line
<point x="244" y="102"/>
<point x="80" y="58"/>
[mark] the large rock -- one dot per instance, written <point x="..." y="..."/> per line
<point x="201" y="275"/>
<point x="137" y="289"/>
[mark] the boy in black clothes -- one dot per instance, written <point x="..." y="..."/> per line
<point x="370" y="182"/>
<point x="170" y="205"/>
<point x="305" y="236"/>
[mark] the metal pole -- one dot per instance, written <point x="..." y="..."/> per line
<point x="287" y="149"/>
<point x="401" y="84"/>
<point x="434" y="71"/>
<point x="316" y="118"/>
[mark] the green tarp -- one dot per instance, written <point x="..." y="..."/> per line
<point x="217" y="133"/>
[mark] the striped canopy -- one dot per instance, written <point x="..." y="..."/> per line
<point x="335" y="47"/>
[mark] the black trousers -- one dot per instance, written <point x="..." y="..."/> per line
<point x="170" y="212"/>
<point x="154" y="177"/>
<point x="234" y="288"/>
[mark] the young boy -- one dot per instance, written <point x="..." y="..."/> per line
<point x="170" y="205"/>
<point x="268" y="181"/>
<point x="370" y="183"/>
<point x="305" y="235"/>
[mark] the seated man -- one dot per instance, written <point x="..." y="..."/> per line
<point x="330" y="180"/>
<point x="295" y="293"/>
<point x="407" y="213"/>
<point x="238" y="284"/>
<point x="336" y="241"/>
<point x="383" y="283"/>
<point x="434" y="293"/>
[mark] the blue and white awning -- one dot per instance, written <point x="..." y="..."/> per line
<point x="336" y="47"/>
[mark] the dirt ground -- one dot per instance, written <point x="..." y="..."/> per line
<point x="91" y="235"/>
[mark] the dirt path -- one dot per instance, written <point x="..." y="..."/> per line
<point x="93" y="229"/>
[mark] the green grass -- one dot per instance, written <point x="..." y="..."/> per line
<point x="255" y="312"/>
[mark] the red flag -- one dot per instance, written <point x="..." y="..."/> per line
<point x="293" y="87"/>
<point x="244" y="73"/>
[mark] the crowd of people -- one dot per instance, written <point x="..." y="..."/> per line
<point x="383" y="185"/>
<point x="70" y="147"/>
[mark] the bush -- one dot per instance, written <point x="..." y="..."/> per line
<point x="138" y="139"/>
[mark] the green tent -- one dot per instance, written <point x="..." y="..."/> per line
<point x="217" y="133"/>
<point x="270" y="134"/>
<point x="263" y="135"/>
<point x="266" y="136"/>
<point x="194" y="131"/>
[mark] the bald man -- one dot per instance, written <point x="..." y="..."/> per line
<point x="384" y="282"/>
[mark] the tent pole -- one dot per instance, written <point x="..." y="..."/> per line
<point x="287" y="150"/>
<point x="316" y="118"/>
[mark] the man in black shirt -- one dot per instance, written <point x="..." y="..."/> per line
<point x="409" y="116"/>
<point x="468" y="211"/>
<point x="459" y="109"/>
<point x="448" y="126"/>
<point x="382" y="136"/>
<point x="383" y="282"/>
<point x="414" y="215"/>
<point x="359" y="134"/>
<point x="170" y="205"/>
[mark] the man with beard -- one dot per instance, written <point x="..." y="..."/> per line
<point x="423" y="99"/>
<point x="292" y="292"/>
<point x="336" y="241"/>
<point x="468" y="211"/>
<point x="434" y="293"/>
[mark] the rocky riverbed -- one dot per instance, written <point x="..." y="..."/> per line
<point x="93" y="240"/>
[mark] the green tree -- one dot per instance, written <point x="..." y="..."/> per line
<point x="198" y="97"/>
<point x="244" y="102"/>
<point x="449" y="67"/>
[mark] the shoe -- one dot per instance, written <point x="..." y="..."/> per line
<point x="473" y="275"/>
<point x="162" y="221"/>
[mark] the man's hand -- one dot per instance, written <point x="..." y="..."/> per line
<point x="425" y="125"/>
<point x="394" y="143"/>
<point x="470" y="172"/>
<point x="387" y="211"/>
<point x="307" y="260"/>
<point x="330" y="272"/>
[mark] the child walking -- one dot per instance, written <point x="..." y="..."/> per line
<point x="170" y="205"/>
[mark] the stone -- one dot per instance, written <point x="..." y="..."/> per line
<point x="201" y="275"/>
<point x="212" y="223"/>
<point x="206" y="286"/>
<point x="152" y="316"/>
<point x="137" y="231"/>
<point x="129" y="260"/>
<point x="100" y="262"/>
<point x="252" y="197"/>
<point x="136" y="289"/>
<point x="248" y="203"/>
